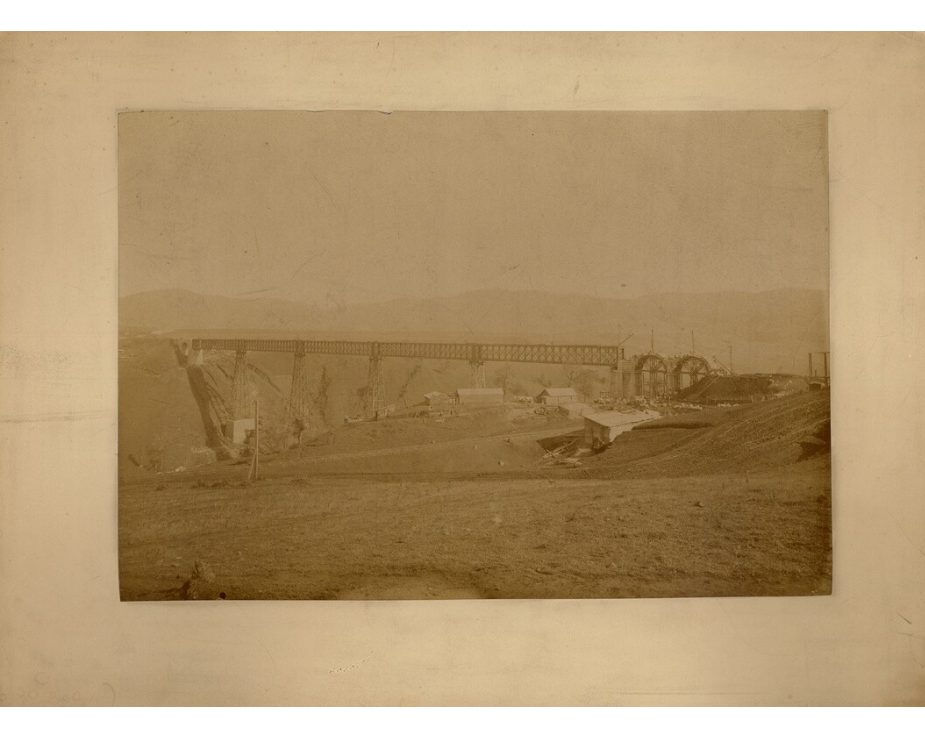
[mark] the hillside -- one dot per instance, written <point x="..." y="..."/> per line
<point x="171" y="413"/>
<point x="749" y="438"/>
<point x="727" y="501"/>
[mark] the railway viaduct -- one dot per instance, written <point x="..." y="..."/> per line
<point x="647" y="374"/>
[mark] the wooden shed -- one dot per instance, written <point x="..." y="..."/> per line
<point x="561" y="395"/>
<point x="480" y="396"/>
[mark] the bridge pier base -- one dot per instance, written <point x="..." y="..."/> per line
<point x="240" y="399"/>
<point x="616" y="383"/>
<point x="622" y="381"/>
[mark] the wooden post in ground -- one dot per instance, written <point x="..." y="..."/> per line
<point x="254" y="472"/>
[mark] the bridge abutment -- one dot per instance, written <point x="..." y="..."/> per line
<point x="622" y="378"/>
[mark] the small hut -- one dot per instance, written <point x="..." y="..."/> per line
<point x="437" y="399"/>
<point x="553" y="395"/>
<point x="480" y="396"/>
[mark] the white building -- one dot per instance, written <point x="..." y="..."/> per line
<point x="602" y="427"/>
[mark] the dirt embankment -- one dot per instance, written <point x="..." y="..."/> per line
<point x="171" y="411"/>
<point x="760" y="436"/>
<point x="742" y="388"/>
<point x="160" y="426"/>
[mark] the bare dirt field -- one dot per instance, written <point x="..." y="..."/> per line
<point x="722" y="502"/>
<point x="358" y="538"/>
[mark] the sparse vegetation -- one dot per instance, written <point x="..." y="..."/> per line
<point x="580" y="378"/>
<point x="403" y="389"/>
<point x="503" y="378"/>
<point x="463" y="503"/>
<point x="155" y="455"/>
<point x="320" y="395"/>
<point x="494" y="537"/>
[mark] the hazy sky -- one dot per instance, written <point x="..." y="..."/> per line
<point x="340" y="207"/>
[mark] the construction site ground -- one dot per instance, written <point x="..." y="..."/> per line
<point x="721" y="502"/>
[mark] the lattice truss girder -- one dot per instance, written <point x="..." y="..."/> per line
<point x="587" y="355"/>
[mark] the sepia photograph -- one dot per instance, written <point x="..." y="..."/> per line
<point x="473" y="355"/>
<point x="503" y="369"/>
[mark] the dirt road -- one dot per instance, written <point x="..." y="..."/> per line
<point x="520" y="435"/>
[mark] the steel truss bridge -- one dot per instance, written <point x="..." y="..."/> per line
<point x="649" y="373"/>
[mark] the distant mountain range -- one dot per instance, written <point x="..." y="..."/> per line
<point x="765" y="331"/>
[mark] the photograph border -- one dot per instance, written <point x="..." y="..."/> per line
<point x="64" y="636"/>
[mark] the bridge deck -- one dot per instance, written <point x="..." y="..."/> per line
<point x="586" y="355"/>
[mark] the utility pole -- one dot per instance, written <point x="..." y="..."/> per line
<point x="254" y="472"/>
<point x="652" y="341"/>
<point x="693" y="346"/>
